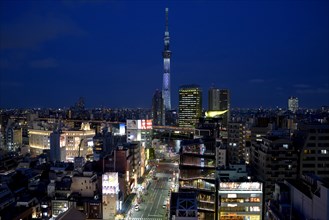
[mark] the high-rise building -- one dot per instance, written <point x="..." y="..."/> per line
<point x="213" y="99"/>
<point x="190" y="105"/>
<point x="219" y="100"/>
<point x="166" y="54"/>
<point x="158" y="109"/>
<point x="293" y="104"/>
<point x="224" y="104"/>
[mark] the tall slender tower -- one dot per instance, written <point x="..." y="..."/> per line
<point x="166" y="54"/>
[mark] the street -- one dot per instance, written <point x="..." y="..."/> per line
<point x="155" y="200"/>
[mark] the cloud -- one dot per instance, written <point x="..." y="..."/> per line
<point x="44" y="63"/>
<point x="31" y="31"/>
<point x="301" y="86"/>
<point x="313" y="91"/>
<point x="256" y="81"/>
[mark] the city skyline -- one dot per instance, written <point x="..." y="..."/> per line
<point x="109" y="52"/>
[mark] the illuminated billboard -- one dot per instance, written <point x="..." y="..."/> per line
<point x="132" y="124"/>
<point x="146" y="124"/>
<point x="134" y="136"/>
<point x="110" y="183"/>
<point x="139" y="124"/>
<point x="241" y="186"/>
<point x="122" y="129"/>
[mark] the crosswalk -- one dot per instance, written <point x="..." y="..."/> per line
<point x="144" y="218"/>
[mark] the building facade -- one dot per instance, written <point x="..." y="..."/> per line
<point x="213" y="99"/>
<point x="293" y="104"/>
<point x="225" y="104"/>
<point x="197" y="173"/>
<point x="241" y="200"/>
<point x="158" y="111"/>
<point x="70" y="139"/>
<point x="190" y="105"/>
<point x="236" y="143"/>
<point x="313" y="141"/>
<point x="274" y="158"/>
<point x="304" y="198"/>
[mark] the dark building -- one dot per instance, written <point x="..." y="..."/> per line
<point x="183" y="206"/>
<point x="105" y="143"/>
<point x="225" y="104"/>
<point x="158" y="112"/>
<point x="197" y="172"/>
<point x="236" y="143"/>
<point x="313" y="143"/>
<point x="273" y="158"/>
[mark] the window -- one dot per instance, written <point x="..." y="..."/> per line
<point x="324" y="151"/>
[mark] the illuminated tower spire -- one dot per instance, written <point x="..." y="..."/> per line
<point x="166" y="54"/>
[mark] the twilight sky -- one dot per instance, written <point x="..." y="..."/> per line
<point x="109" y="52"/>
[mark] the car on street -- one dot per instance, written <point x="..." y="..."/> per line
<point x="136" y="207"/>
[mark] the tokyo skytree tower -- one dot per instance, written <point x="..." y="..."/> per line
<point x="166" y="54"/>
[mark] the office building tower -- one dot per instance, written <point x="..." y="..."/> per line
<point x="213" y="99"/>
<point x="293" y="104"/>
<point x="190" y="105"/>
<point x="224" y="104"/>
<point x="219" y="100"/>
<point x="158" y="113"/>
<point x="166" y="54"/>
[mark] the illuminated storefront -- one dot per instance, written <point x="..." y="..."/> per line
<point x="241" y="200"/>
<point x="140" y="130"/>
<point x="110" y="190"/>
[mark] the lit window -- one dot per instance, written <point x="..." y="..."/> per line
<point x="324" y="151"/>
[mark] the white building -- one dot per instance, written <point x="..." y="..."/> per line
<point x="70" y="139"/>
<point x="140" y="131"/>
<point x="309" y="198"/>
<point x="293" y="104"/>
<point x="85" y="184"/>
<point x="110" y="189"/>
